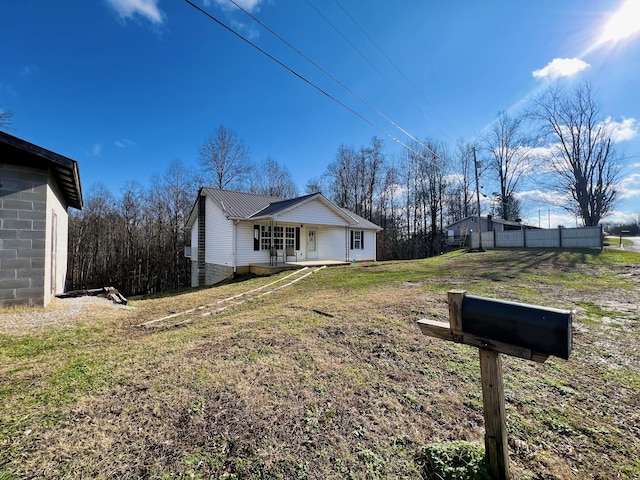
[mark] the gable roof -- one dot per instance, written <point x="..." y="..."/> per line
<point x="278" y="208"/>
<point x="249" y="206"/>
<point x="281" y="206"/>
<point x="65" y="171"/>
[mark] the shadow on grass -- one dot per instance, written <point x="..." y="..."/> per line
<point x="188" y="290"/>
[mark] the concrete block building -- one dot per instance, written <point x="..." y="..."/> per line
<point x="37" y="187"/>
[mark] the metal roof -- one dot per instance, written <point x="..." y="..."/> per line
<point x="362" y="222"/>
<point x="238" y="205"/>
<point x="246" y="206"/>
<point x="14" y="150"/>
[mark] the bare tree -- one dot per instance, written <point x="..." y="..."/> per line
<point x="341" y="177"/>
<point x="510" y="161"/>
<point x="372" y="165"/>
<point x="132" y="206"/>
<point x="271" y="178"/>
<point x="388" y="215"/>
<point x="315" y="185"/>
<point x="93" y="245"/>
<point x="170" y="201"/>
<point x="459" y="195"/>
<point x="225" y="158"/>
<point x="355" y="177"/>
<point x="424" y="171"/>
<point x="582" y="157"/>
<point x="6" y="119"/>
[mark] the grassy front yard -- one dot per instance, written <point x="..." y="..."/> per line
<point x="328" y="378"/>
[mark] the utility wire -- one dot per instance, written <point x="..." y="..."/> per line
<point x="301" y="77"/>
<point x="375" y="44"/>
<point x="324" y="17"/>
<point x="332" y="77"/>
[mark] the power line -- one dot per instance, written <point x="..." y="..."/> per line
<point x="301" y="77"/>
<point x="375" y="44"/>
<point x="344" y="37"/>
<point x="332" y="77"/>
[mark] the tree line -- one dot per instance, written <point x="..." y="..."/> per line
<point x="561" y="141"/>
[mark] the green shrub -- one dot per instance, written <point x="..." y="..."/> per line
<point x="458" y="460"/>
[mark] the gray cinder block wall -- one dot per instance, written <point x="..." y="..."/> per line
<point x="23" y="200"/>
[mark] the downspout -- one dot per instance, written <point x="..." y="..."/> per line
<point x="346" y="243"/>
<point x="234" y="254"/>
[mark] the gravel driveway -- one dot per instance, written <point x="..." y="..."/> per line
<point x="61" y="311"/>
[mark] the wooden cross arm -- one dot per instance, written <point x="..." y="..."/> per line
<point x="443" y="331"/>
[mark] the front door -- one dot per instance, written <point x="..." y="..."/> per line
<point x="312" y="245"/>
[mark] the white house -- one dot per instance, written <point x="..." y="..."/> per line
<point x="231" y="231"/>
<point x="37" y="187"/>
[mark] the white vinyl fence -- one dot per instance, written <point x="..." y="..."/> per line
<point x="584" y="237"/>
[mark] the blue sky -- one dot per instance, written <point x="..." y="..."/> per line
<point x="127" y="86"/>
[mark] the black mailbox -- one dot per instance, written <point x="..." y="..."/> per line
<point x="539" y="329"/>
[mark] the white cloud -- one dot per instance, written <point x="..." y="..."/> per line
<point x="561" y="67"/>
<point x="124" y="143"/>
<point x="248" y="5"/>
<point x="95" y="151"/>
<point x="28" y="70"/>
<point x="618" y="217"/>
<point x="629" y="187"/>
<point x="233" y="7"/>
<point x="621" y="131"/>
<point x="547" y="197"/>
<point x="145" y="8"/>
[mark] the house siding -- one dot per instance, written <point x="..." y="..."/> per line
<point x="332" y="243"/>
<point x="212" y="258"/>
<point x="195" y="254"/>
<point x="313" y="212"/>
<point x="219" y="238"/>
<point x="245" y="253"/>
<point x="368" y="252"/>
<point x="23" y="235"/>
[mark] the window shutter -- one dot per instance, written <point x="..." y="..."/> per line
<point x="297" y="238"/>
<point x="256" y="237"/>
<point x="351" y="239"/>
<point x="362" y="240"/>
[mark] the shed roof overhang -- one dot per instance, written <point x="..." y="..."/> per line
<point x="65" y="171"/>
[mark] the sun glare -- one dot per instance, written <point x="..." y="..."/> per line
<point x="624" y="23"/>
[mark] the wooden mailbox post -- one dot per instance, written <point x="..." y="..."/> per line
<point x="497" y="326"/>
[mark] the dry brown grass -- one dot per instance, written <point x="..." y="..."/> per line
<point x="330" y="378"/>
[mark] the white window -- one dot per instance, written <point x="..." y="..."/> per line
<point x="357" y="240"/>
<point x="282" y="236"/>
<point x="265" y="237"/>
<point x="290" y="237"/>
<point x="277" y="237"/>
